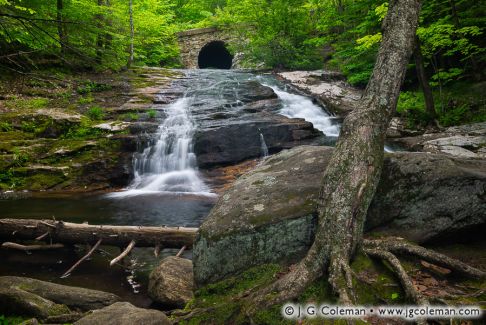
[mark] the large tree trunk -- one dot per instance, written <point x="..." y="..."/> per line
<point x="423" y="80"/>
<point x="354" y="170"/>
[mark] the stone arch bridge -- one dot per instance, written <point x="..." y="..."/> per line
<point x="206" y="48"/>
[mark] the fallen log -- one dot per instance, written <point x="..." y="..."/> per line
<point x="74" y="233"/>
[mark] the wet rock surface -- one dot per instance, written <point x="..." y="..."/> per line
<point x="124" y="313"/>
<point x="269" y="214"/>
<point x="171" y="282"/>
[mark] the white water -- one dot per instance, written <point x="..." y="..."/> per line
<point x="263" y="146"/>
<point x="296" y="106"/>
<point x="169" y="165"/>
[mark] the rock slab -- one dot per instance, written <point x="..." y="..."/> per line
<point x="124" y="313"/>
<point x="269" y="214"/>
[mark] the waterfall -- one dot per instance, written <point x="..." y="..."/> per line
<point x="169" y="164"/>
<point x="297" y="106"/>
<point x="263" y="146"/>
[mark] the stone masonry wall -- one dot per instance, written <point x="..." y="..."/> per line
<point x="192" y="41"/>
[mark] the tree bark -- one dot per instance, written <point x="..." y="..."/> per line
<point x="352" y="175"/>
<point x="100" y="36"/>
<point x="73" y="233"/>
<point x="424" y="80"/>
<point x="132" y="33"/>
<point x="61" y="32"/>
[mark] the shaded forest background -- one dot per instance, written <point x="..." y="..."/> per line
<point x="344" y="35"/>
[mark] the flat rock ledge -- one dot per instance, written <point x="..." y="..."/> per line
<point x="124" y="313"/>
<point x="172" y="282"/>
<point x="269" y="214"/>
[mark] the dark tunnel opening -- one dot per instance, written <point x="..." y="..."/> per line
<point x="214" y="55"/>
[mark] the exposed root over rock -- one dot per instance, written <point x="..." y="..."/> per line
<point x="340" y="275"/>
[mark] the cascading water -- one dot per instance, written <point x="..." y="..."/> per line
<point x="296" y="106"/>
<point x="169" y="165"/>
<point x="263" y="146"/>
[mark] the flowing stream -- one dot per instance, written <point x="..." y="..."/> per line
<point x="169" y="165"/>
<point x="167" y="188"/>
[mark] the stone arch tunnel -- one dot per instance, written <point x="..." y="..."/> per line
<point x="215" y="55"/>
<point x="206" y="48"/>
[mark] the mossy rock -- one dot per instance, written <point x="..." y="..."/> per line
<point x="269" y="215"/>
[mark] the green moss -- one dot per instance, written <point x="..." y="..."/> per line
<point x="45" y="181"/>
<point x="26" y="103"/>
<point x="220" y="297"/>
<point x="58" y="309"/>
<point x="379" y="284"/>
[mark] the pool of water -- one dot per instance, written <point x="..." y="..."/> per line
<point x="128" y="280"/>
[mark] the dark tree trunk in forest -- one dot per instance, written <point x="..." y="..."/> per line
<point x="424" y="81"/>
<point x="352" y="176"/>
<point x="132" y="34"/>
<point x="61" y="31"/>
<point x="100" y="36"/>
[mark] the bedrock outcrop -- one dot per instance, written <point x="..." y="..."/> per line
<point x="269" y="214"/>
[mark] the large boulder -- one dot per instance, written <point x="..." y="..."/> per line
<point x="31" y="297"/>
<point x="124" y="313"/>
<point x="172" y="282"/>
<point x="269" y="214"/>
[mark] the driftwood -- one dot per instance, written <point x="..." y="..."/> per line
<point x="74" y="233"/>
<point x="123" y="254"/>
<point x="91" y="251"/>
<point x="31" y="247"/>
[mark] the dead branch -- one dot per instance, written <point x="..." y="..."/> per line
<point x="31" y="247"/>
<point x="68" y="272"/>
<point x="123" y="254"/>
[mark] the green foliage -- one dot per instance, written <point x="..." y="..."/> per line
<point x="130" y="116"/>
<point x="6" y="126"/>
<point x="91" y="86"/>
<point x="96" y="113"/>
<point x="152" y="113"/>
<point x="85" y="100"/>
<point x="19" y="157"/>
<point x="83" y="131"/>
<point x="28" y="126"/>
<point x="10" y="320"/>
<point x="95" y="33"/>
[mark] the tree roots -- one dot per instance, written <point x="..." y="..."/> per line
<point x="340" y="275"/>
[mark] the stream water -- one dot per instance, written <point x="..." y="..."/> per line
<point x="167" y="188"/>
